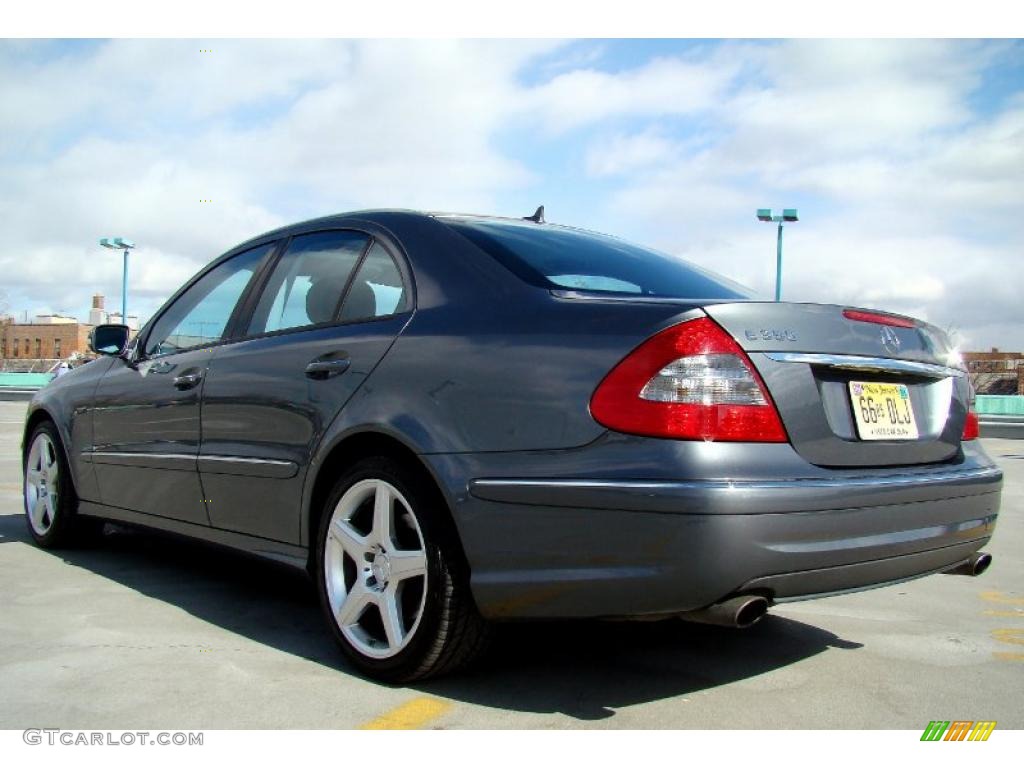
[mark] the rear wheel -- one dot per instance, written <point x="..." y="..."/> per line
<point x="390" y="576"/>
<point x="49" y="495"/>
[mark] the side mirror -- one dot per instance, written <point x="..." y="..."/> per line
<point x="109" y="339"/>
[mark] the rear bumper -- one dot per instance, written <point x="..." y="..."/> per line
<point x="564" y="547"/>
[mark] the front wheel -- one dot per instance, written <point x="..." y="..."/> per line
<point x="50" y="501"/>
<point x="390" y="576"/>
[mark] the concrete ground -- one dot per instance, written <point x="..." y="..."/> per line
<point x="149" y="632"/>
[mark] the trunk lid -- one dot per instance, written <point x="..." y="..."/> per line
<point x="809" y="355"/>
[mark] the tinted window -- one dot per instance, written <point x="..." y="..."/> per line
<point x="559" y="257"/>
<point x="377" y="289"/>
<point x="308" y="282"/>
<point x="200" y="315"/>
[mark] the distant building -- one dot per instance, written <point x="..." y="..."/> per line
<point x="995" y="372"/>
<point x="99" y="316"/>
<point x="50" y="339"/>
<point x="55" y="336"/>
<point x="54" y="320"/>
<point x="114" y="318"/>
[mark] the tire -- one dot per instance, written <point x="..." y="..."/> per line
<point x="51" y="505"/>
<point x="391" y="578"/>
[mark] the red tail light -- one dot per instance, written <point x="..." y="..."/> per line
<point x="971" y="428"/>
<point x="690" y="382"/>
<point x="879" y="318"/>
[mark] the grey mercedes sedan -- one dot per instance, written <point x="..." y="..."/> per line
<point x="453" y="420"/>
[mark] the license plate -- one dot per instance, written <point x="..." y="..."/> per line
<point x="882" y="411"/>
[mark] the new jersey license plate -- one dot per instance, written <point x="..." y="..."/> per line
<point x="882" y="411"/>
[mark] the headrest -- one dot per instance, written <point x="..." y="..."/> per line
<point x="322" y="299"/>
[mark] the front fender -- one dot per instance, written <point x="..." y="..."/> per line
<point x="67" y="402"/>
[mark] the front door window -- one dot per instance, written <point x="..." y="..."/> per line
<point x="199" y="317"/>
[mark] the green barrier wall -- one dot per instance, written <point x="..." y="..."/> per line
<point x="1000" y="405"/>
<point x="23" y="380"/>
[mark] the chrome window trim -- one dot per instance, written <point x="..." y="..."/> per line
<point x="869" y="364"/>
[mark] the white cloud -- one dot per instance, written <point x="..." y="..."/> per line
<point x="134" y="82"/>
<point x="816" y="98"/>
<point x="909" y="197"/>
<point x="897" y="170"/>
<point x="127" y="139"/>
<point x="624" y="154"/>
<point x="663" y="86"/>
<point x="412" y="126"/>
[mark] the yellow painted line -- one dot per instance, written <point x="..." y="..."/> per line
<point x="999" y="597"/>
<point x="1009" y="656"/>
<point x="1011" y="636"/>
<point x="1016" y="613"/>
<point x="411" y="715"/>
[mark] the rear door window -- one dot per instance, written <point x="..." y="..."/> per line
<point x="308" y="282"/>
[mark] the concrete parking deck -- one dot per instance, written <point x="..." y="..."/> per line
<point x="147" y="631"/>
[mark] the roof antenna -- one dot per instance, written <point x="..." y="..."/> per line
<point x="538" y="216"/>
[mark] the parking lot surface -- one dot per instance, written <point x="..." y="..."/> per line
<point x="146" y="631"/>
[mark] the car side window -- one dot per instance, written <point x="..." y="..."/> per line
<point x="377" y="289"/>
<point x="308" y="282"/>
<point x="200" y="315"/>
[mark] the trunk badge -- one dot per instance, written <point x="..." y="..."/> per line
<point x="890" y="340"/>
<point x="769" y="334"/>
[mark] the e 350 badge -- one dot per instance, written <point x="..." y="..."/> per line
<point x="769" y="334"/>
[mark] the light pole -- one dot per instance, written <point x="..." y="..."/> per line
<point x="788" y="214"/>
<point x="117" y="243"/>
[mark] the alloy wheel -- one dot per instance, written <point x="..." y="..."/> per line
<point x="42" y="478"/>
<point x="375" y="568"/>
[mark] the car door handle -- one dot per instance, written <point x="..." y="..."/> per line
<point x="188" y="380"/>
<point x="325" y="369"/>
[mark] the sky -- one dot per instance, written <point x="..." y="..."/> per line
<point x="904" y="158"/>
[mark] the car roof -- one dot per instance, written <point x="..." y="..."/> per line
<point x="382" y="216"/>
<point x="334" y="219"/>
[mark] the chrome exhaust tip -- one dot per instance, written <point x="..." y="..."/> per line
<point x="739" y="612"/>
<point x="975" y="565"/>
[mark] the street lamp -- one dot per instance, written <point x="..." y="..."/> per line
<point x="118" y="243"/>
<point x="788" y="214"/>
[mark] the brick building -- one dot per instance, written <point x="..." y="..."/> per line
<point x="49" y="337"/>
<point x="54" y="337"/>
<point x="995" y="372"/>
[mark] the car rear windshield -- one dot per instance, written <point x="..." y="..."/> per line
<point x="556" y="257"/>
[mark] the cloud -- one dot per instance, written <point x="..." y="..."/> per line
<point x="909" y="195"/>
<point x="412" y="125"/>
<point x="663" y="86"/>
<point x="624" y="154"/>
<point x="130" y="83"/>
<point x="906" y="162"/>
<point x="126" y="138"/>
